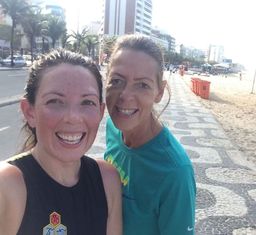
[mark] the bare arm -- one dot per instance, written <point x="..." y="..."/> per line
<point x="112" y="185"/>
<point x="2" y="208"/>
<point x="12" y="199"/>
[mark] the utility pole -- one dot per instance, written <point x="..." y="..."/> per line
<point x="253" y="82"/>
<point x="78" y="19"/>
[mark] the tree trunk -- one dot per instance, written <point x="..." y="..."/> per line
<point x="12" y="36"/>
<point x="43" y="45"/>
<point x="93" y="52"/>
<point x="31" y="48"/>
<point x="53" y="43"/>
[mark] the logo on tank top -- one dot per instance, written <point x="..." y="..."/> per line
<point x="55" y="227"/>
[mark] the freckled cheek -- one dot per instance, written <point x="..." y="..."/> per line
<point x="147" y="103"/>
<point x="112" y="92"/>
<point x="93" y="117"/>
<point x="50" y="119"/>
<point x="112" y="97"/>
<point x="110" y="103"/>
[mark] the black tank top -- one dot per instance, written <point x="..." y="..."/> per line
<point x="53" y="209"/>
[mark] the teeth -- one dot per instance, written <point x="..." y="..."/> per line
<point x="73" y="139"/>
<point x="126" y="111"/>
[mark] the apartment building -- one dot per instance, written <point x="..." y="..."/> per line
<point x="164" y="39"/>
<point x="216" y="53"/>
<point x="126" y="16"/>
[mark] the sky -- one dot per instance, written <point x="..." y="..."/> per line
<point x="196" y="23"/>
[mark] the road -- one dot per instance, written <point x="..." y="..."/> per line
<point x="11" y="84"/>
<point x="10" y="124"/>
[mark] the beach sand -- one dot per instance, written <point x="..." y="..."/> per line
<point x="234" y="106"/>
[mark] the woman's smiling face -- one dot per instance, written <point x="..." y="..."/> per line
<point x="132" y="89"/>
<point x="67" y="112"/>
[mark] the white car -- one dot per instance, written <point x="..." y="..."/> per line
<point x="18" y="61"/>
<point x="28" y="59"/>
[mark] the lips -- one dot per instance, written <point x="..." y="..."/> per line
<point x="127" y="112"/>
<point x="71" y="138"/>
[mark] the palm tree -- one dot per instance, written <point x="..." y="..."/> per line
<point x="90" y="42"/>
<point x="56" y="28"/>
<point x="108" y="43"/>
<point x="65" y="40"/>
<point x="15" y="9"/>
<point x="44" y="32"/>
<point x="32" y="27"/>
<point x="80" y="38"/>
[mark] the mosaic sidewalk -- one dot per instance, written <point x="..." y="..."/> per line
<point x="226" y="183"/>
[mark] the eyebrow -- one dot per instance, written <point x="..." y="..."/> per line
<point x="62" y="95"/>
<point x="144" y="78"/>
<point x="117" y="74"/>
<point x="85" y="95"/>
<point x="53" y="93"/>
<point x="136" y="79"/>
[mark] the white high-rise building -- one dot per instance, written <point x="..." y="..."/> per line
<point x="126" y="16"/>
<point x="216" y="53"/>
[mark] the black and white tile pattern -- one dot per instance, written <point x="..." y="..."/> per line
<point x="226" y="182"/>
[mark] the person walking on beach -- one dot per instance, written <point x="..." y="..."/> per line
<point x="157" y="176"/>
<point x="51" y="187"/>
<point x="240" y="76"/>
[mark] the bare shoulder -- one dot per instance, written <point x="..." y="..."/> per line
<point x="12" y="196"/>
<point x="112" y="186"/>
<point x="9" y="175"/>
<point x="108" y="172"/>
<point x="111" y="180"/>
<point x="11" y="181"/>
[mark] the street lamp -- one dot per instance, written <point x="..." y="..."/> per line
<point x="253" y="82"/>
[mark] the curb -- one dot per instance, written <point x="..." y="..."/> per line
<point x="10" y="69"/>
<point x="10" y="100"/>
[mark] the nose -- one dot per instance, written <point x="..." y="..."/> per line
<point x="73" y="115"/>
<point x="127" y="93"/>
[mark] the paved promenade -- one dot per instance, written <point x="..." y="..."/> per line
<point x="226" y="183"/>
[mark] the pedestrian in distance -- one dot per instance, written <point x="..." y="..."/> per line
<point x="52" y="187"/>
<point x="240" y="76"/>
<point x="171" y="70"/>
<point x="181" y="70"/>
<point x="157" y="175"/>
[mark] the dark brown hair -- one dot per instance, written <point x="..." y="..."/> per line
<point x="54" y="58"/>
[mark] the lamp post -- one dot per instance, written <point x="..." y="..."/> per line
<point x="253" y="82"/>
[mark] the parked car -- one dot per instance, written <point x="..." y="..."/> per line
<point x="28" y="59"/>
<point x="1" y="61"/>
<point x="18" y="61"/>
